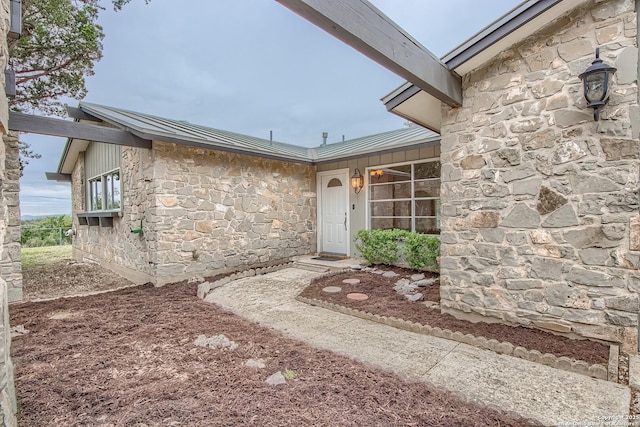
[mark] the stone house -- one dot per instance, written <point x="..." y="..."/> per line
<point x="194" y="201"/>
<point x="539" y="201"/>
<point x="536" y="204"/>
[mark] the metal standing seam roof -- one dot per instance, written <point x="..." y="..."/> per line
<point x="181" y="132"/>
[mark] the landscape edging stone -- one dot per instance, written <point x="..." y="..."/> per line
<point x="563" y="363"/>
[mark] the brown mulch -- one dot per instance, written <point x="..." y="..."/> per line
<point x="385" y="301"/>
<point x="68" y="277"/>
<point x="128" y="358"/>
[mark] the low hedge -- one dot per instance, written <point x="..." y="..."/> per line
<point x="395" y="246"/>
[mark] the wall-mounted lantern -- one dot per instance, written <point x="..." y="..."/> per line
<point x="357" y="181"/>
<point x="597" y="83"/>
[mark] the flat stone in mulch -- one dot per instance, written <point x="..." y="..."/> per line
<point x="385" y="301"/>
<point x="351" y="281"/>
<point x="332" y="289"/>
<point x="357" y="296"/>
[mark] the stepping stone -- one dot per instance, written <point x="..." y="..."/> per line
<point x="332" y="289"/>
<point x="351" y="281"/>
<point x="414" y="297"/>
<point x="425" y="282"/>
<point x="356" y="296"/>
<point x="431" y="304"/>
<point x="276" y="379"/>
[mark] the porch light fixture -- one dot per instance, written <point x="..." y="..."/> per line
<point x="377" y="173"/>
<point x="597" y="81"/>
<point x="357" y="181"/>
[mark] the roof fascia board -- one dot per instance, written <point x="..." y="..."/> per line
<point x="57" y="127"/>
<point x="512" y="28"/>
<point x="365" y="28"/>
<point x="429" y="143"/>
<point x="60" y="177"/>
<point x="397" y="98"/>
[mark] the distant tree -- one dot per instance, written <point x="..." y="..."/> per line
<point x="26" y="154"/>
<point x="47" y="231"/>
<point x="61" y="41"/>
<point x="117" y="4"/>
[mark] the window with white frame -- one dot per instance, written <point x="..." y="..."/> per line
<point x="104" y="191"/>
<point x="405" y="196"/>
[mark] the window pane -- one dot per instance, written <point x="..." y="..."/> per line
<point x="427" y="207"/>
<point x="389" y="223"/>
<point x="429" y="188"/>
<point x="96" y="194"/>
<point x="109" y="191"/>
<point x="402" y="208"/>
<point x="427" y="170"/>
<point x="393" y="174"/>
<point x="335" y="182"/>
<point x="391" y="191"/>
<point x="428" y="225"/>
<point x="116" y="190"/>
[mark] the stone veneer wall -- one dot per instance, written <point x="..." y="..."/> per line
<point x="8" y="406"/>
<point x="10" y="263"/>
<point x="116" y="247"/>
<point x="218" y="211"/>
<point x="202" y="212"/>
<point x="540" y="202"/>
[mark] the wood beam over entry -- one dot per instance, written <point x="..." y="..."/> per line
<point x="77" y="113"/>
<point x="57" y="127"/>
<point x="365" y="28"/>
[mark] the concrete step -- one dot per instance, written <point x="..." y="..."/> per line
<point x="311" y="267"/>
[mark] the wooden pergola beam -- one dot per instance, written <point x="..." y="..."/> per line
<point x="77" y="113"/>
<point x="365" y="28"/>
<point x="57" y="127"/>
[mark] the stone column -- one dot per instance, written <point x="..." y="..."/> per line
<point x="7" y="391"/>
<point x="539" y="201"/>
<point x="10" y="263"/>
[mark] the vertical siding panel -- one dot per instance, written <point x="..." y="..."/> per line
<point x="102" y="158"/>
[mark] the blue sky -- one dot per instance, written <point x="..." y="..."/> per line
<point x="248" y="66"/>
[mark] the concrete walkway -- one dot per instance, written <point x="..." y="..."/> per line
<point x="548" y="395"/>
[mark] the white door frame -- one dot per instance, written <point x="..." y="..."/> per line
<point x="344" y="175"/>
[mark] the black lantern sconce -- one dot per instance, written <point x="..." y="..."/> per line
<point x="597" y="84"/>
<point x="357" y="181"/>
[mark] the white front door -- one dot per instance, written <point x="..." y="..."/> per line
<point x="334" y="194"/>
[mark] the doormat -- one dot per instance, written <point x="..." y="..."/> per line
<point x="326" y="258"/>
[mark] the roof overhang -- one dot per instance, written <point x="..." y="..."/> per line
<point x="412" y="103"/>
<point x="416" y="105"/>
<point x="72" y="150"/>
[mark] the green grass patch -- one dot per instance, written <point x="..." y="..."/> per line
<point x="43" y="257"/>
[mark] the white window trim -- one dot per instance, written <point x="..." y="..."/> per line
<point x="412" y="199"/>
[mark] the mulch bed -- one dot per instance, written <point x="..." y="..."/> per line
<point x="128" y="358"/>
<point x="385" y="301"/>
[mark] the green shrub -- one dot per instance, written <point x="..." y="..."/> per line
<point x="379" y="246"/>
<point x="421" y="251"/>
<point x="388" y="246"/>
